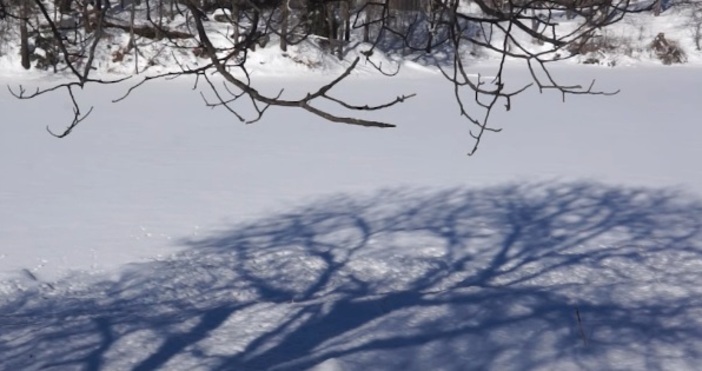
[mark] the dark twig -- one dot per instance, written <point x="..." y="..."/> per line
<point x="580" y="326"/>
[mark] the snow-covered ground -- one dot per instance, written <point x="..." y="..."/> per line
<point x="164" y="235"/>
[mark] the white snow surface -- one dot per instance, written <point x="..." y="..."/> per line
<point x="164" y="235"/>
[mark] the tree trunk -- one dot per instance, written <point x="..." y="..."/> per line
<point x="331" y="29"/>
<point x="285" y="14"/>
<point x="253" y="36"/>
<point x="346" y="12"/>
<point x="235" y="20"/>
<point x="340" y="36"/>
<point x="658" y="8"/>
<point x="161" y="8"/>
<point x="132" y="40"/>
<point x="24" y="35"/>
<point x="366" y="24"/>
<point x="433" y="10"/>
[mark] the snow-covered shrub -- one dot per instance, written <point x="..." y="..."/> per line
<point x="44" y="52"/>
<point x="601" y="48"/>
<point x="668" y="51"/>
<point x="592" y="44"/>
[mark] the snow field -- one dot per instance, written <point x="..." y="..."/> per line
<point x="162" y="235"/>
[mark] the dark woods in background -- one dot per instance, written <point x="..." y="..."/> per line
<point x="294" y="20"/>
<point x="417" y="25"/>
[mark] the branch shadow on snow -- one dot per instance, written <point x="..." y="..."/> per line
<point x="400" y="280"/>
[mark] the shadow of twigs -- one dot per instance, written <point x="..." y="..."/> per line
<point x="401" y="280"/>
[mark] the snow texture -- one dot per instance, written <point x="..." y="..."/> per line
<point x="162" y="235"/>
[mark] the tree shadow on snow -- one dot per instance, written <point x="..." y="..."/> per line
<point x="457" y="279"/>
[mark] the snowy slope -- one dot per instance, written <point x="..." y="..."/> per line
<point x="163" y="235"/>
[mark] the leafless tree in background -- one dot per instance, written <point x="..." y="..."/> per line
<point x="416" y="26"/>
